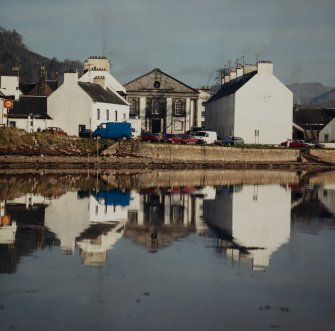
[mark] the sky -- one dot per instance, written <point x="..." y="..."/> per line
<point x="187" y="39"/>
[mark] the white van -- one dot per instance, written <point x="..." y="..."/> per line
<point x="206" y="137"/>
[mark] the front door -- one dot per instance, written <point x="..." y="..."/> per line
<point x="156" y="125"/>
<point x="82" y="127"/>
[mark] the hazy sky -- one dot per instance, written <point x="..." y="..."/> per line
<point x="188" y="39"/>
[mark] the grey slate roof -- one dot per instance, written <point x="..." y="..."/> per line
<point x="232" y="86"/>
<point x="313" y="119"/>
<point x="26" y="105"/>
<point x="98" y="94"/>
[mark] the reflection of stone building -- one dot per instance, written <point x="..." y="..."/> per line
<point x="253" y="221"/>
<point x="160" y="217"/>
<point x="165" y="104"/>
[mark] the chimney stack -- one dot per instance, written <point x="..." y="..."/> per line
<point x="100" y="80"/>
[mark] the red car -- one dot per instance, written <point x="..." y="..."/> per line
<point x="171" y="138"/>
<point x="294" y="143"/>
<point x="54" y="130"/>
<point x="150" y="136"/>
<point x="188" y="139"/>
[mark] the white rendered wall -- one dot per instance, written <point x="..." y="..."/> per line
<point x="266" y="105"/>
<point x="70" y="106"/>
<point x="117" y="113"/>
<point x="25" y="123"/>
<point x="219" y="116"/>
<point x="9" y="85"/>
<point x="329" y="130"/>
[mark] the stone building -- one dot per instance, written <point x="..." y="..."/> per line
<point x="164" y="104"/>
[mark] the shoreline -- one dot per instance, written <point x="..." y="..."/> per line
<point x="128" y="162"/>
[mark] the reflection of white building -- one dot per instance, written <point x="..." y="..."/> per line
<point x="256" y="218"/>
<point x="7" y="227"/>
<point x="67" y="217"/>
<point x="326" y="195"/>
<point x="91" y="223"/>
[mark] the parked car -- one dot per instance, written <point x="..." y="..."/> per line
<point x="194" y="130"/>
<point x="230" y="141"/>
<point x="171" y="138"/>
<point x="294" y="143"/>
<point x="188" y="139"/>
<point x="54" y="130"/>
<point x="150" y="136"/>
<point x="85" y="133"/>
<point x="206" y="137"/>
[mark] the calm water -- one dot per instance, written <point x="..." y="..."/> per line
<point x="167" y="251"/>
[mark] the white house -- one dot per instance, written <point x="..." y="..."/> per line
<point x="9" y="89"/>
<point x="253" y="104"/>
<point x="76" y="105"/>
<point x="327" y="134"/>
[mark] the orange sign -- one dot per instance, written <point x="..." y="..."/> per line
<point x="8" y="103"/>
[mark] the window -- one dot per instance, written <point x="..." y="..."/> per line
<point x="326" y="138"/>
<point x="132" y="107"/>
<point x="107" y="115"/>
<point x="124" y="116"/>
<point x="98" y="114"/>
<point x="115" y="115"/>
<point x="178" y="108"/>
<point x="12" y="124"/>
<point x="155" y="107"/>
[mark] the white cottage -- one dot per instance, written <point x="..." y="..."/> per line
<point x="76" y="104"/>
<point x="253" y="104"/>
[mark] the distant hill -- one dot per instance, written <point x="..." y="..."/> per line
<point x="325" y="100"/>
<point x="313" y="93"/>
<point x="13" y="51"/>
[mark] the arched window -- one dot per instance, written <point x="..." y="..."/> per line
<point x="155" y="107"/>
<point x="178" y="108"/>
<point x="132" y="107"/>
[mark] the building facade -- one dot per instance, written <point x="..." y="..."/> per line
<point x="78" y="105"/>
<point x="164" y="104"/>
<point x="253" y="104"/>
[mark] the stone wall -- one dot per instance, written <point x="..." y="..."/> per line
<point x="170" y="152"/>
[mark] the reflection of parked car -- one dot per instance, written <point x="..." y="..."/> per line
<point x="188" y="139"/>
<point x="171" y="138"/>
<point x="54" y="130"/>
<point x="150" y="136"/>
<point x="85" y="133"/>
<point x="230" y="141"/>
<point x="294" y="143"/>
<point x="314" y="144"/>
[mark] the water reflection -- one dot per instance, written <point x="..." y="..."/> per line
<point x="251" y="221"/>
<point x="248" y="222"/>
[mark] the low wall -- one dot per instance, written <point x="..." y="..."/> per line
<point x="324" y="154"/>
<point x="205" y="153"/>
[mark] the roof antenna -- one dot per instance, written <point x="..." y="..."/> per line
<point x="256" y="57"/>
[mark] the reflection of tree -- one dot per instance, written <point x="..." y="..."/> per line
<point x="13" y="186"/>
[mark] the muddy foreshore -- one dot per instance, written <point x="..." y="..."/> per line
<point x="133" y="162"/>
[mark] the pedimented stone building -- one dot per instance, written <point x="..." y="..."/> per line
<point x="164" y="104"/>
